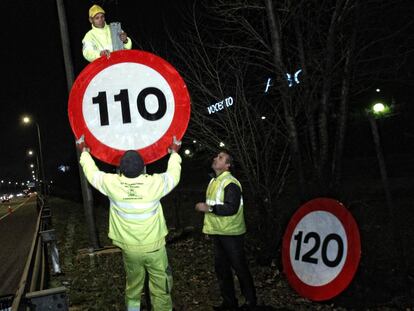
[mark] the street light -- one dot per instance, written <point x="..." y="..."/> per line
<point x="377" y="111"/>
<point x="378" y="107"/>
<point x="34" y="172"/>
<point x="188" y="152"/>
<point x="28" y="120"/>
<point x="380" y="110"/>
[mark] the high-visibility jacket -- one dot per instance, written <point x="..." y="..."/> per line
<point x="136" y="219"/>
<point x="97" y="40"/>
<point x="223" y="225"/>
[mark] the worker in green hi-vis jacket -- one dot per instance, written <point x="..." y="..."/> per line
<point x="98" y="41"/>
<point x="136" y="221"/>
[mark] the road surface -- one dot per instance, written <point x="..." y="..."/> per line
<point x="16" y="233"/>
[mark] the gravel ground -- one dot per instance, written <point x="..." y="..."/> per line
<point x="96" y="282"/>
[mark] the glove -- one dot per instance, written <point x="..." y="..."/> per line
<point x="81" y="145"/>
<point x="106" y="53"/>
<point x="175" y="146"/>
<point x="124" y="38"/>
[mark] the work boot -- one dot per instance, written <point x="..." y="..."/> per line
<point x="248" y="306"/>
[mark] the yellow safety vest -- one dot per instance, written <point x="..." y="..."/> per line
<point x="136" y="219"/>
<point x="223" y="225"/>
<point x="97" y="40"/>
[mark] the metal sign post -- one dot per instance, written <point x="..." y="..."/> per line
<point x="116" y="41"/>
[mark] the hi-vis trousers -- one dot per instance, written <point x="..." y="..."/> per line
<point x="160" y="279"/>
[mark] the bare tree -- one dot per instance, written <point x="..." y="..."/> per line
<point x="231" y="108"/>
<point x="230" y="50"/>
<point x="313" y="44"/>
<point x="340" y="48"/>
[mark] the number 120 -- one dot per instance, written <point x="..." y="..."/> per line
<point x="307" y="257"/>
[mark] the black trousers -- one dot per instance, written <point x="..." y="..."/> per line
<point x="228" y="254"/>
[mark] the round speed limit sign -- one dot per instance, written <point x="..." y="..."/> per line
<point x="133" y="100"/>
<point x="321" y="249"/>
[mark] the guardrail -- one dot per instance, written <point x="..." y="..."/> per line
<point x="32" y="293"/>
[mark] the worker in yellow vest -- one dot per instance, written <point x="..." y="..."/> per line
<point x="98" y="41"/>
<point x="224" y="221"/>
<point x="136" y="221"/>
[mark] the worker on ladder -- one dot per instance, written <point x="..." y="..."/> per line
<point x="103" y="39"/>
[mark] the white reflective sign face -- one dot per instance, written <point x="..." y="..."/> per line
<point x="318" y="248"/>
<point x="128" y="106"/>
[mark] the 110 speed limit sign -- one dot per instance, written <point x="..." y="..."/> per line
<point x="133" y="100"/>
<point x="321" y="249"/>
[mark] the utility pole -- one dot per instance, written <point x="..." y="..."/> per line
<point x="392" y="211"/>
<point x="44" y="182"/>
<point x="70" y="78"/>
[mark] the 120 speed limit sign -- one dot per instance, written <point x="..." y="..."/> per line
<point x="321" y="249"/>
<point x="133" y="100"/>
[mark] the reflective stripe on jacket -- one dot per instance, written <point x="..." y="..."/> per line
<point x="136" y="219"/>
<point x="97" y="40"/>
<point x="223" y="225"/>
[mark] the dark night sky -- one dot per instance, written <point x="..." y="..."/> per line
<point x="34" y="75"/>
<point x="35" y="82"/>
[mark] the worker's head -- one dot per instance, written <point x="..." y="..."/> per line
<point x="223" y="161"/>
<point x="97" y="16"/>
<point x="131" y="164"/>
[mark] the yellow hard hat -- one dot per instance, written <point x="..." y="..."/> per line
<point x="95" y="9"/>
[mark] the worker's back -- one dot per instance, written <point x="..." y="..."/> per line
<point x="136" y="217"/>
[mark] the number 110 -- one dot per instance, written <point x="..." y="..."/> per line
<point x="123" y="98"/>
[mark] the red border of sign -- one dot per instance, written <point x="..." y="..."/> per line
<point x="345" y="276"/>
<point x="177" y="127"/>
